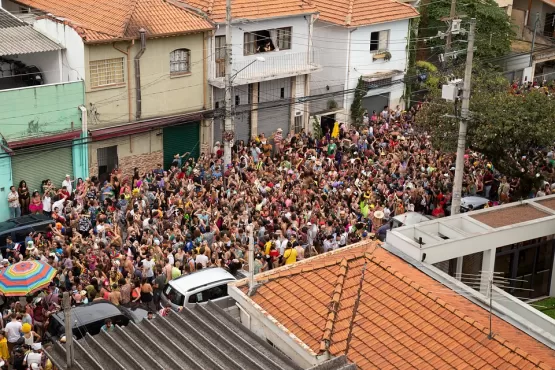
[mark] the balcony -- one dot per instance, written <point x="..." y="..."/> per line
<point x="279" y="66"/>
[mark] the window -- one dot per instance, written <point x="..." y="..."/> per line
<point x="282" y="93"/>
<point x="209" y="294"/>
<point x="298" y="123"/>
<point x="106" y="72"/>
<point x="264" y="41"/>
<point x="379" y="40"/>
<point x="179" y="61"/>
<point x="220" y="56"/>
<point x="237" y="100"/>
<point x="284" y="38"/>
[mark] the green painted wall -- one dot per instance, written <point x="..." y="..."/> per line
<point x="39" y="111"/>
<point x="5" y="183"/>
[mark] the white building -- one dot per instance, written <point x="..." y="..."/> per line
<point x="363" y="38"/>
<point x="272" y="59"/>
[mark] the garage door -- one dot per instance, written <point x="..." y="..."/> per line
<point x="53" y="164"/>
<point x="375" y="103"/>
<point x="181" y="139"/>
<point x="275" y="108"/>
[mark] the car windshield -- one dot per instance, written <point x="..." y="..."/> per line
<point x="173" y="295"/>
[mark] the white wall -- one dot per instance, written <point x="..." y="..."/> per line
<point x="334" y="43"/>
<point x="73" y="57"/>
<point x="47" y="62"/>
<point x="299" y="38"/>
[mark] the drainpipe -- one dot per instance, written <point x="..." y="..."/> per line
<point x="126" y="53"/>
<point x="84" y="123"/>
<point x="142" y="33"/>
<point x="348" y="77"/>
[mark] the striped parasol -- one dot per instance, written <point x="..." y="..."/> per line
<point x="25" y="278"/>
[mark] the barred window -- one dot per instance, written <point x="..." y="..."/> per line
<point x="284" y="38"/>
<point x="106" y="72"/>
<point x="179" y="61"/>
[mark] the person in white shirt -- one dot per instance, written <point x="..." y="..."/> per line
<point x="47" y="204"/>
<point x="201" y="258"/>
<point x="13" y="331"/>
<point x="34" y="357"/>
<point x="68" y="184"/>
<point x="148" y="264"/>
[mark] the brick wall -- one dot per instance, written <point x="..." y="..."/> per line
<point x="145" y="162"/>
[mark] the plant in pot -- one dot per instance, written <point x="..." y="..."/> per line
<point x="382" y="54"/>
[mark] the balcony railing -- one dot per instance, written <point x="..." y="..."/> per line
<point x="279" y="66"/>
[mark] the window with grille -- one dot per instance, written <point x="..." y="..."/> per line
<point x="106" y="72"/>
<point x="220" y="56"/>
<point x="284" y="38"/>
<point x="298" y="123"/>
<point x="379" y="41"/>
<point x="179" y="61"/>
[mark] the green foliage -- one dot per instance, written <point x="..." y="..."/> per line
<point x="357" y="111"/>
<point x="422" y="64"/>
<point x="503" y="126"/>
<point x="493" y="28"/>
<point x="317" y="129"/>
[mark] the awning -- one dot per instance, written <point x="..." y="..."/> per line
<point x="32" y="141"/>
<point x="25" y="40"/>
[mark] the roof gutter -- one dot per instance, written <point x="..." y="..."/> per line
<point x="138" y="98"/>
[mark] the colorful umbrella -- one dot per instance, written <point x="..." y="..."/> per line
<point x="25" y="278"/>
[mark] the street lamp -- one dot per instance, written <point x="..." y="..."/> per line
<point x="229" y="130"/>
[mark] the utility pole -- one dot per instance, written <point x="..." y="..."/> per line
<point x="66" y="302"/>
<point x="452" y="14"/>
<point x="229" y="132"/>
<point x="461" y="145"/>
<point x="534" y="39"/>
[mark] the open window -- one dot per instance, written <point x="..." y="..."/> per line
<point x="265" y="41"/>
<point x="379" y="41"/>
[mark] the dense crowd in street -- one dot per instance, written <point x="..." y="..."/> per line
<point x="122" y="240"/>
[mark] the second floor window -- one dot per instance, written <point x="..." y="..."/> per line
<point x="379" y="41"/>
<point x="180" y="61"/>
<point x="263" y="41"/>
<point x="220" y="56"/>
<point x="106" y="72"/>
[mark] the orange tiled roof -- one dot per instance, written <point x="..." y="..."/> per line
<point x="363" y="12"/>
<point x="252" y="9"/>
<point x="402" y="319"/>
<point x="107" y="20"/>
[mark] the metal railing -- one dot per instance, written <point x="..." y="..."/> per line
<point x="274" y="65"/>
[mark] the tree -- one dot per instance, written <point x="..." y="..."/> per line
<point x="357" y="110"/>
<point x="493" y="32"/>
<point x="509" y="129"/>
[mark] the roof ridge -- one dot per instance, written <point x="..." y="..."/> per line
<point x="477" y="325"/>
<point x="334" y="305"/>
<point x="349" y="16"/>
<point x="128" y="17"/>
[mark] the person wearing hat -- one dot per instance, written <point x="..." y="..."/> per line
<point x="278" y="141"/>
<point x="34" y="357"/>
<point x="29" y="335"/>
<point x="68" y="184"/>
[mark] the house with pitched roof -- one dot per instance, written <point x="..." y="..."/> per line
<point x="142" y="63"/>
<point x="272" y="60"/>
<point x="360" y="38"/>
<point x="382" y="312"/>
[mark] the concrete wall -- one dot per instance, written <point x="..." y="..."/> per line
<point x="73" y="57"/>
<point x="41" y="110"/>
<point x="144" y="151"/>
<point x="5" y="182"/>
<point x="47" y="62"/>
<point x="162" y="94"/>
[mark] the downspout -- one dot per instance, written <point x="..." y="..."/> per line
<point x="348" y="74"/>
<point x="138" y="100"/>
<point x="84" y="152"/>
<point x="126" y="53"/>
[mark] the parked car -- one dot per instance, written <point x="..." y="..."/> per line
<point x="198" y="288"/>
<point x="469" y="203"/>
<point x="19" y="228"/>
<point x="89" y="318"/>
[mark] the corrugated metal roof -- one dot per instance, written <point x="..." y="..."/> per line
<point x="17" y="37"/>
<point x="25" y="40"/>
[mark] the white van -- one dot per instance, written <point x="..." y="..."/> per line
<point x="199" y="287"/>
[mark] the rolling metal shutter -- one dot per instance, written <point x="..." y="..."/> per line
<point x="241" y="117"/>
<point x="375" y="103"/>
<point x="274" y="106"/>
<point x="53" y="164"/>
<point x="181" y="139"/>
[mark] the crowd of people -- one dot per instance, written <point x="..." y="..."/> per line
<point x="122" y="240"/>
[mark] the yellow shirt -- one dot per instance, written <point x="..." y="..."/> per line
<point x="267" y="248"/>
<point x="290" y="256"/>
<point x="4" y="353"/>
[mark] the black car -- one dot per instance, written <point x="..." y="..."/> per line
<point x="19" y="228"/>
<point x="91" y="317"/>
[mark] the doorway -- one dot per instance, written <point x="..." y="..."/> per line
<point x="327" y="122"/>
<point x="107" y="161"/>
<point x="549" y="25"/>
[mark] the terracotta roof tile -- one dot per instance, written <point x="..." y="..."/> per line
<point x="356" y="12"/>
<point x="107" y="20"/>
<point x="400" y="322"/>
